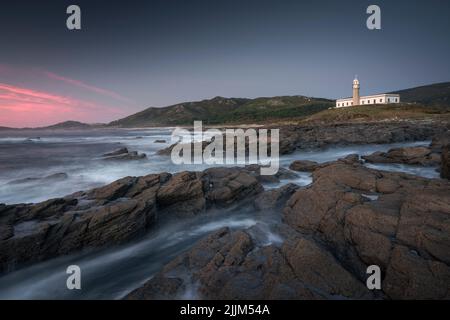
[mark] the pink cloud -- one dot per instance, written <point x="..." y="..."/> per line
<point x="86" y="86"/>
<point x="24" y="107"/>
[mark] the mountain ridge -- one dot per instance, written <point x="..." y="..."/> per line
<point x="220" y="110"/>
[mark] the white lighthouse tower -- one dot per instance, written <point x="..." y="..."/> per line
<point x="356" y="100"/>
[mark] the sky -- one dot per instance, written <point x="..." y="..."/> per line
<point x="134" y="54"/>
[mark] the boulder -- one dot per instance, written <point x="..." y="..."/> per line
<point x="229" y="265"/>
<point x="408" y="211"/>
<point x="124" y="154"/>
<point x="303" y="165"/>
<point x="116" y="152"/>
<point x="114" y="213"/>
<point x="225" y="186"/>
<point x="407" y="155"/>
<point x="182" y="195"/>
<point x="275" y="198"/>
<point x="445" y="162"/>
<point x="320" y="135"/>
<point x="440" y="140"/>
<point x="282" y="174"/>
<point x="351" y="159"/>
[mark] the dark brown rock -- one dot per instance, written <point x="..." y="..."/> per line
<point x="410" y="276"/>
<point x="116" y="152"/>
<point x="321" y="135"/>
<point x="440" y="140"/>
<point x="351" y="159"/>
<point x="445" y="162"/>
<point x="123" y="154"/>
<point x="114" y="213"/>
<point x="362" y="230"/>
<point x="275" y="198"/>
<point x="408" y="155"/>
<point x="303" y="165"/>
<point x="228" y="265"/>
<point x="225" y="186"/>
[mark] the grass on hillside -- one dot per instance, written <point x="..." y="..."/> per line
<point x="257" y="113"/>
<point x="380" y="113"/>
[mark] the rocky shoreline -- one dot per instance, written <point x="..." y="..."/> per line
<point x="293" y="138"/>
<point x="114" y="213"/>
<point x="349" y="218"/>
<point x="318" y="136"/>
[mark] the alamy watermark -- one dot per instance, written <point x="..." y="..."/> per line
<point x="73" y="21"/>
<point x="374" y="20"/>
<point x="373" y="282"/>
<point x="227" y="147"/>
<point x="73" y="281"/>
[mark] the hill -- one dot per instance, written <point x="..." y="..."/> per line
<point x="382" y="112"/>
<point x="430" y="102"/>
<point x="6" y="129"/>
<point x="221" y="110"/>
<point x="418" y="102"/>
<point x="437" y="94"/>
<point x="422" y="102"/>
<point x="67" y="125"/>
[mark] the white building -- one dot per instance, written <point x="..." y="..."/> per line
<point x="384" y="98"/>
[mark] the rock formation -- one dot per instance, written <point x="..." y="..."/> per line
<point x="349" y="218"/>
<point x="123" y="154"/>
<point x="114" y="213"/>
<point x="445" y="162"/>
<point x="423" y="156"/>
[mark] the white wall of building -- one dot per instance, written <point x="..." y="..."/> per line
<point x="369" y="100"/>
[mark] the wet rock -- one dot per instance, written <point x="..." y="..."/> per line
<point x="303" y="165"/>
<point x="116" y="152"/>
<point x="124" y="154"/>
<point x="409" y="211"/>
<point x="282" y="174"/>
<point x="183" y="194"/>
<point x="224" y="186"/>
<point x="275" y="198"/>
<point x="114" y="213"/>
<point x="51" y="178"/>
<point x="410" y="276"/>
<point x="160" y="141"/>
<point x="315" y="266"/>
<point x="407" y="155"/>
<point x="440" y="140"/>
<point x="445" y="162"/>
<point x="351" y="159"/>
<point x="321" y="135"/>
<point x="168" y="151"/>
<point x="228" y="265"/>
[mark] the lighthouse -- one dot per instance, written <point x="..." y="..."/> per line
<point x="356" y="91"/>
<point x="357" y="100"/>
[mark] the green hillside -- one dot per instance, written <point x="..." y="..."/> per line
<point x="437" y="94"/>
<point x="221" y="110"/>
